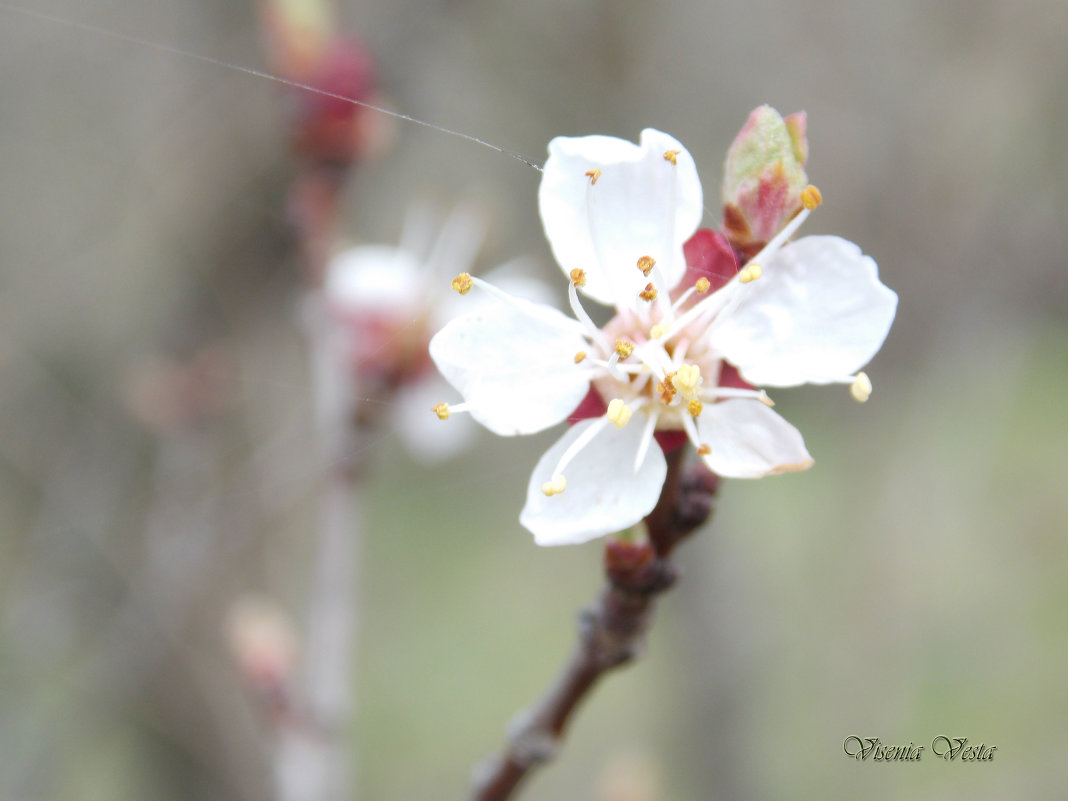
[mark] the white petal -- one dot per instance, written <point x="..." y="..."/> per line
<point x="641" y="205"/>
<point x="514" y="362"/>
<point x="604" y="493"/>
<point x="425" y="437"/>
<point x="818" y="314"/>
<point x="749" y="440"/>
<point x="373" y="278"/>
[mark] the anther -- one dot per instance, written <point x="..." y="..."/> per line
<point x="704" y="449"/>
<point x="578" y="276"/>
<point x="441" y="410"/>
<point x="658" y="330"/>
<point x="624" y="348"/>
<point x="580" y="357"/>
<point x="687" y="378"/>
<point x="666" y="389"/>
<point x="750" y="272"/>
<point x="462" y="283"/>
<point x="670" y="155"/>
<point x="649" y="293"/>
<point x="860" y="389"/>
<point x="554" y="487"/>
<point x="618" y="412"/>
<point x="646" y="264"/>
<point x="593" y="175"/>
<point x="811" y="197"/>
<point x="695" y="407"/>
<point x="702" y="285"/>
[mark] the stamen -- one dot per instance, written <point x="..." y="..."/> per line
<point x="704" y="449"/>
<point x="695" y="407"/>
<point x="646" y="264"/>
<point x="584" y="439"/>
<point x="580" y="357"/>
<point x="463" y="283"/>
<point x="666" y="389"/>
<point x="649" y="293"/>
<point x="690" y="427"/>
<point x="647" y="438"/>
<point x="620" y="371"/>
<point x="811" y="197"/>
<point x="658" y="330"/>
<point x="713" y="393"/>
<point x="712" y="304"/>
<point x="750" y="272"/>
<point x="688" y="378"/>
<point x="444" y="410"/>
<point x="554" y="487"/>
<point x="781" y="237"/>
<point x="702" y="285"/>
<point x="860" y="389"/>
<point x="593" y="175"/>
<point x="618" y="412"/>
<point x="624" y="348"/>
<point x="578" y="276"/>
<point x="671" y="155"/>
<point x="592" y="331"/>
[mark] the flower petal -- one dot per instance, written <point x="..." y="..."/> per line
<point x="375" y="278"/>
<point x="749" y="440"/>
<point x="638" y="204"/>
<point x="818" y="314"/>
<point x="514" y="362"/>
<point x="604" y="494"/>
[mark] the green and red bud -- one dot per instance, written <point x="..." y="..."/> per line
<point x="764" y="176"/>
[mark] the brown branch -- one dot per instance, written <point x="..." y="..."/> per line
<point x="611" y="631"/>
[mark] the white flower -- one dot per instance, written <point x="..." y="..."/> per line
<point x="617" y="215"/>
<point x="385" y="302"/>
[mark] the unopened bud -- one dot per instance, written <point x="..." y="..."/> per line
<point x="764" y="177"/>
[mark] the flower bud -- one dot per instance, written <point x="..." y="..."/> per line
<point x="763" y="178"/>
<point x="304" y="47"/>
<point x="263" y="643"/>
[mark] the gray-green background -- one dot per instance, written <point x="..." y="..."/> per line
<point x="912" y="584"/>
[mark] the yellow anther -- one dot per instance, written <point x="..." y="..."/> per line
<point x="580" y="356"/>
<point x="658" y="330"/>
<point x="441" y="410"/>
<point x="463" y="283"/>
<point x="763" y="398"/>
<point x="860" y="389"/>
<point x="649" y="293"/>
<point x="704" y="449"/>
<point x="750" y="272"/>
<point x="618" y="412"/>
<point x="671" y="156"/>
<point x="554" y="487"/>
<point x="593" y="175"/>
<point x="688" y="378"/>
<point x="666" y="389"/>
<point x="624" y="348"/>
<point x="646" y="264"/>
<point x="702" y="285"/>
<point x="578" y="276"/>
<point x="695" y="407"/>
<point x="811" y="197"/>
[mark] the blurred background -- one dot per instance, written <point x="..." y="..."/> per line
<point x="157" y="457"/>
